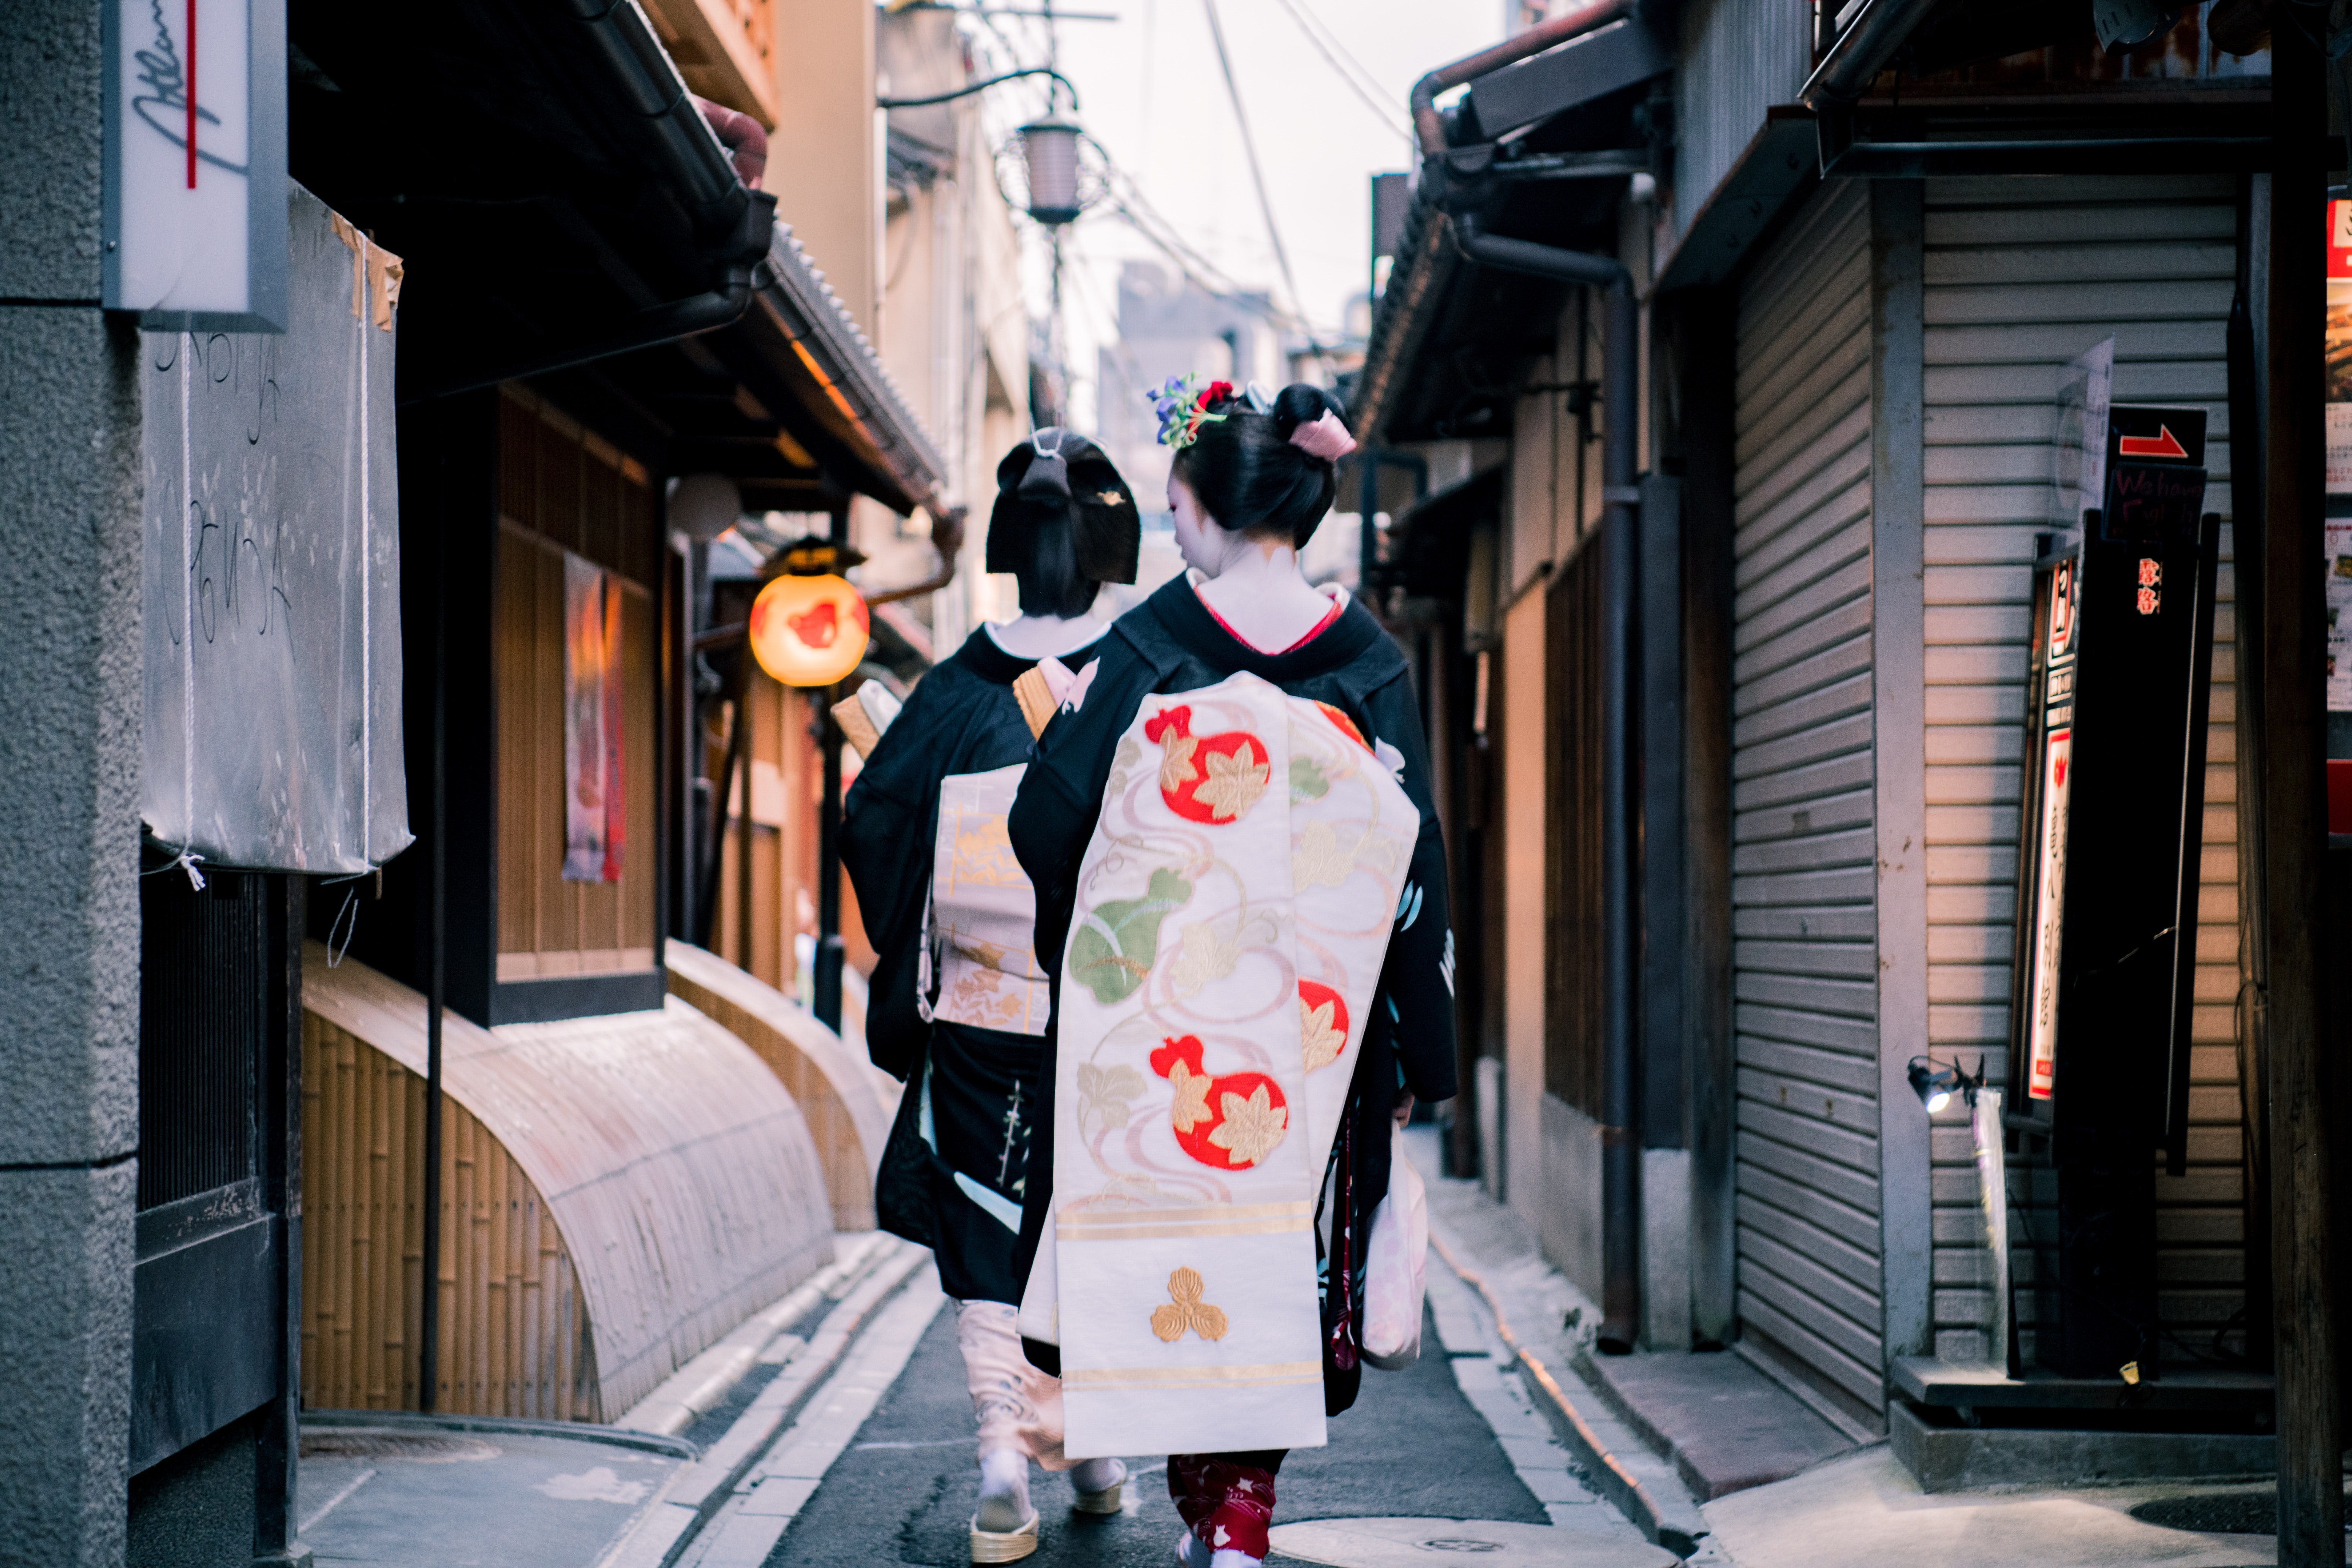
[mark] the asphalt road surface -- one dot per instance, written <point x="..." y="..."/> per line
<point x="904" y="1492"/>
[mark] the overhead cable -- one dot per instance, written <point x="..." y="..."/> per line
<point x="1257" y="175"/>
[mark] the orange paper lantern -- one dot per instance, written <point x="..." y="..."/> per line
<point x="808" y="630"/>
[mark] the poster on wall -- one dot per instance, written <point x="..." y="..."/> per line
<point x="592" y="723"/>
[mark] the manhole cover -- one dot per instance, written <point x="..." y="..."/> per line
<point x="1424" y="1542"/>
<point x="416" y="1448"/>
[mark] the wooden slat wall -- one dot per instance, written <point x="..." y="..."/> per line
<point x="1803" y="884"/>
<point x="1574" y="916"/>
<point x="2021" y="276"/>
<point x="786" y="790"/>
<point x="560" y="489"/>
<point x="514" y="1327"/>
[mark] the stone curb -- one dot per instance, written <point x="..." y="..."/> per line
<point x="1643" y="1488"/>
<point x="703" y="1384"/>
<point x="696" y="1491"/>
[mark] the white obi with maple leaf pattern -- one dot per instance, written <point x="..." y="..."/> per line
<point x="984" y="910"/>
<point x="1233" y="913"/>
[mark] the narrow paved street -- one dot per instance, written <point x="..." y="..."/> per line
<point x="904" y="1490"/>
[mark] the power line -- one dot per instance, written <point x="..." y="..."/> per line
<point x="1385" y="110"/>
<point x="1257" y="175"/>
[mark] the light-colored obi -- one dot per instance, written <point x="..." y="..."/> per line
<point x="983" y="911"/>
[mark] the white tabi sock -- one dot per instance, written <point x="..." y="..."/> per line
<point x="1003" y="1491"/>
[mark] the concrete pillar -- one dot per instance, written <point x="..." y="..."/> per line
<point x="69" y="742"/>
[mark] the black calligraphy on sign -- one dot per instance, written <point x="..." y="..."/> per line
<point x="163" y="106"/>
<point x="237" y="578"/>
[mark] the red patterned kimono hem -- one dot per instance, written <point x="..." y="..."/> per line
<point x="1228" y="1505"/>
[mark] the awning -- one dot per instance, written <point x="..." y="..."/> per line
<point x="552" y="187"/>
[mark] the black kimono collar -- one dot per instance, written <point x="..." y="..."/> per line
<point x="1186" y="621"/>
<point x="983" y="657"/>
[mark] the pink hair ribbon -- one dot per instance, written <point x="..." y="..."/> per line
<point x="1325" y="438"/>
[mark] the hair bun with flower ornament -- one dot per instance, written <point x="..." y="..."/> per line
<point x="1183" y="412"/>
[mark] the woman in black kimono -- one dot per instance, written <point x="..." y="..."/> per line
<point x="957" y="1005"/>
<point x="1250" y="481"/>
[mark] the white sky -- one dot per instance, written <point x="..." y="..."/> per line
<point x="1151" y="93"/>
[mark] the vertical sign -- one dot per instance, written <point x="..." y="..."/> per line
<point x="2079" y="454"/>
<point x="2338" y="531"/>
<point x="196" y="161"/>
<point x="2049" y="869"/>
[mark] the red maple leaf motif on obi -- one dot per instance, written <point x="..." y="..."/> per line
<point x="1228" y="1121"/>
<point x="1207" y="778"/>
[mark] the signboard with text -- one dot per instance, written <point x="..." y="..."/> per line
<point x="196" y="163"/>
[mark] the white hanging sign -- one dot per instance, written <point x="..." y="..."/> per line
<point x="195" y="156"/>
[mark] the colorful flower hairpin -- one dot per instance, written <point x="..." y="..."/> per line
<point x="1182" y="412"/>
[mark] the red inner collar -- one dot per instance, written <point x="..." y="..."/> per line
<point x="1317" y="631"/>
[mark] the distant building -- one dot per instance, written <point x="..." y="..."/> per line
<point x="1169" y="325"/>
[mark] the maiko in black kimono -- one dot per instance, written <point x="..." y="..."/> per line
<point x="966" y="1119"/>
<point x="1171" y="643"/>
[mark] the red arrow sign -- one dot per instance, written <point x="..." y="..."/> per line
<point x="2163" y="444"/>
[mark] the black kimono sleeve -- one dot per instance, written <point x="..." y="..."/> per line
<point x="1417" y="977"/>
<point x="886" y="827"/>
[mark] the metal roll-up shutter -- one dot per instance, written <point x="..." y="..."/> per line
<point x="2021" y="276"/>
<point x="1803" y="846"/>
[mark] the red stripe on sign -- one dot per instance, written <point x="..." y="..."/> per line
<point x="192" y="94"/>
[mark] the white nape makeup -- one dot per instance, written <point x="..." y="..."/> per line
<point x="1253" y="585"/>
<point x="1044" y="636"/>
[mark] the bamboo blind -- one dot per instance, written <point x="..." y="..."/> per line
<point x="514" y="1328"/>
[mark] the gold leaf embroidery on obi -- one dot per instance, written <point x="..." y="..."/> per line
<point x="1191" y="1104"/>
<point x="1210" y="949"/>
<point x="1251" y="1127"/>
<point x="983" y="853"/>
<point x="1320" y="1042"/>
<point x="1187" y="1311"/>
<point x="1236" y="779"/>
<point x="1176" y="766"/>
<point x="1320" y="861"/>
<point x="1108" y="1093"/>
<point x="1123" y="763"/>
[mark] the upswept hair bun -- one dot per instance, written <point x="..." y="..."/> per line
<point x="1247" y="474"/>
<point x="1064" y="523"/>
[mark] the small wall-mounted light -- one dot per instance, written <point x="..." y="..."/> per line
<point x="809" y="626"/>
<point x="1936" y="1083"/>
